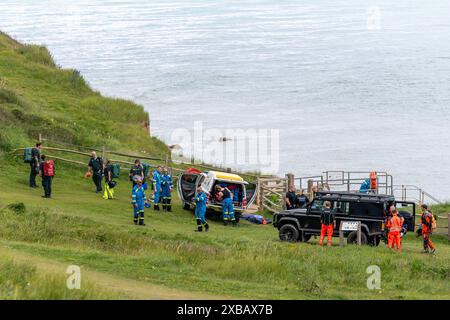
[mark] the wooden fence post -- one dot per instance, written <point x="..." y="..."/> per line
<point x="40" y="138"/>
<point x="448" y="230"/>
<point x="290" y="177"/>
<point x="310" y="191"/>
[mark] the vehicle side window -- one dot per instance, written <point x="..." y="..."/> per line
<point x="341" y="207"/>
<point x="317" y="205"/>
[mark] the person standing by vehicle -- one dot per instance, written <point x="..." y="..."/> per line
<point x="328" y="222"/>
<point x="138" y="200"/>
<point x="395" y="225"/>
<point x="137" y="170"/>
<point x="200" y="210"/>
<point x="107" y="182"/>
<point x="35" y="164"/>
<point x="227" y="205"/>
<point x="47" y="172"/>
<point x="302" y="200"/>
<point x="166" y="186"/>
<point x="427" y="230"/>
<point x="157" y="190"/>
<point x="95" y="166"/>
<point x="291" y="198"/>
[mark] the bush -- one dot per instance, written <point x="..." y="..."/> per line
<point x="18" y="207"/>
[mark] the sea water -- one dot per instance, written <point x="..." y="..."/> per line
<point x="349" y="85"/>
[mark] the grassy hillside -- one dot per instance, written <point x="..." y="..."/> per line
<point x="40" y="237"/>
<point x="37" y="97"/>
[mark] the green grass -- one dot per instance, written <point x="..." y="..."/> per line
<point x="39" y="237"/>
<point x="78" y="227"/>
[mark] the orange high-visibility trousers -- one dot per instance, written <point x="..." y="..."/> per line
<point x="427" y="243"/>
<point x="328" y="230"/>
<point x="395" y="240"/>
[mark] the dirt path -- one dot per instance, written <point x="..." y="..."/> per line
<point x="128" y="288"/>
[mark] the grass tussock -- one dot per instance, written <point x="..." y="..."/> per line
<point x="37" y="54"/>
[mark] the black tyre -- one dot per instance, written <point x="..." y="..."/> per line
<point x="186" y="206"/>
<point x="353" y="238"/>
<point x="289" y="233"/>
<point x="304" y="237"/>
<point x="375" y="241"/>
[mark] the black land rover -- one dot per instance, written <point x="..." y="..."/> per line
<point x="369" y="209"/>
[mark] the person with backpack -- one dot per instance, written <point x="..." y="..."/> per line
<point x="167" y="186"/>
<point x="35" y="163"/>
<point x="95" y="166"/>
<point x="428" y="224"/>
<point x="200" y="210"/>
<point x="108" y="181"/>
<point x="328" y="221"/>
<point x="47" y="172"/>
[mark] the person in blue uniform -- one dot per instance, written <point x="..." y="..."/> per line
<point x="157" y="188"/>
<point x="138" y="200"/>
<point x="166" y="186"/>
<point x="227" y="205"/>
<point x="200" y="210"/>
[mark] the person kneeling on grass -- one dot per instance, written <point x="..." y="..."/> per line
<point x="200" y="210"/>
<point x="328" y="224"/>
<point x="47" y="172"/>
<point x="138" y="200"/>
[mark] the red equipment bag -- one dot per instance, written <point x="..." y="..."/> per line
<point x="49" y="168"/>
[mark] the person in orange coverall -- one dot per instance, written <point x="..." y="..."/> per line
<point x="427" y="228"/>
<point x="395" y="224"/>
<point x="328" y="222"/>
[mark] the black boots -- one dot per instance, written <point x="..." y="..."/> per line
<point x="156" y="207"/>
<point x="200" y="227"/>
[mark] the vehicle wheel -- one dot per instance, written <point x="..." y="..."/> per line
<point x="304" y="237"/>
<point x="289" y="232"/>
<point x="375" y="241"/>
<point x="353" y="238"/>
<point x="186" y="206"/>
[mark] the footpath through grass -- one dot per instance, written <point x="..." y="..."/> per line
<point x="78" y="227"/>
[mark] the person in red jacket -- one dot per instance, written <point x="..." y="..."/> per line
<point x="395" y="224"/>
<point x="328" y="222"/>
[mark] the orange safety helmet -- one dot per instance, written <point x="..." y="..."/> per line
<point x="373" y="180"/>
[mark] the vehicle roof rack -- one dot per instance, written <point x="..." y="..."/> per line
<point x="336" y="196"/>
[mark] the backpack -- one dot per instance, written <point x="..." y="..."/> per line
<point x="49" y="168"/>
<point x="28" y="155"/>
<point x="433" y="223"/>
<point x="115" y="170"/>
